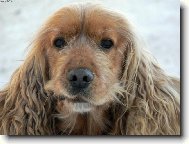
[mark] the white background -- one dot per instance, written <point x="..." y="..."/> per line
<point x="157" y="27"/>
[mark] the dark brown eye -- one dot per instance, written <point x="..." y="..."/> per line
<point x="59" y="42"/>
<point x="106" y="43"/>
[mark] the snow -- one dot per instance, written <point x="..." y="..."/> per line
<point x="157" y="22"/>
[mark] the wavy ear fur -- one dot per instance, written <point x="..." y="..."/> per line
<point x="22" y="103"/>
<point x="151" y="98"/>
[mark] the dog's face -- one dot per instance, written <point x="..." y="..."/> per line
<point x="85" y="53"/>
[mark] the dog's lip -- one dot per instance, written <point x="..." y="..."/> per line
<point x="75" y="100"/>
<point x="78" y="100"/>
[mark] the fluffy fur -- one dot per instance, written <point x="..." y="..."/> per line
<point x="130" y="94"/>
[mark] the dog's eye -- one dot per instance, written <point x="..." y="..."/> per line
<point x="106" y="43"/>
<point x="59" y="42"/>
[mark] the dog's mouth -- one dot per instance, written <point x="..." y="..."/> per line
<point x="79" y="105"/>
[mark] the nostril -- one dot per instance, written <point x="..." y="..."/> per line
<point x="86" y="79"/>
<point x="74" y="78"/>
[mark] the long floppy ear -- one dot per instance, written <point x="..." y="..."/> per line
<point x="151" y="98"/>
<point x="22" y="103"/>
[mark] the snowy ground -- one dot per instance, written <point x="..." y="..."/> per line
<point x="157" y="21"/>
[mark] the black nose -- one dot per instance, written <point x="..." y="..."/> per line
<point x="80" y="78"/>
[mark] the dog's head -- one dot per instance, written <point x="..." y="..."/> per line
<point x="85" y="48"/>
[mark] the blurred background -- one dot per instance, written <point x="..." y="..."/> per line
<point x="157" y="23"/>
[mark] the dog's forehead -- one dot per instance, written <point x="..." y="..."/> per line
<point x="91" y="20"/>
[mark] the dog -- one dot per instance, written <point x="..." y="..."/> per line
<point x="88" y="74"/>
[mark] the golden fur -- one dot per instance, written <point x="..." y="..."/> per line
<point x="130" y="93"/>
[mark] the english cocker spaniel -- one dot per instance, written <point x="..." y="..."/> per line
<point x="87" y="74"/>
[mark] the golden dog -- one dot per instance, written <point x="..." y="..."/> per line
<point x="87" y="74"/>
